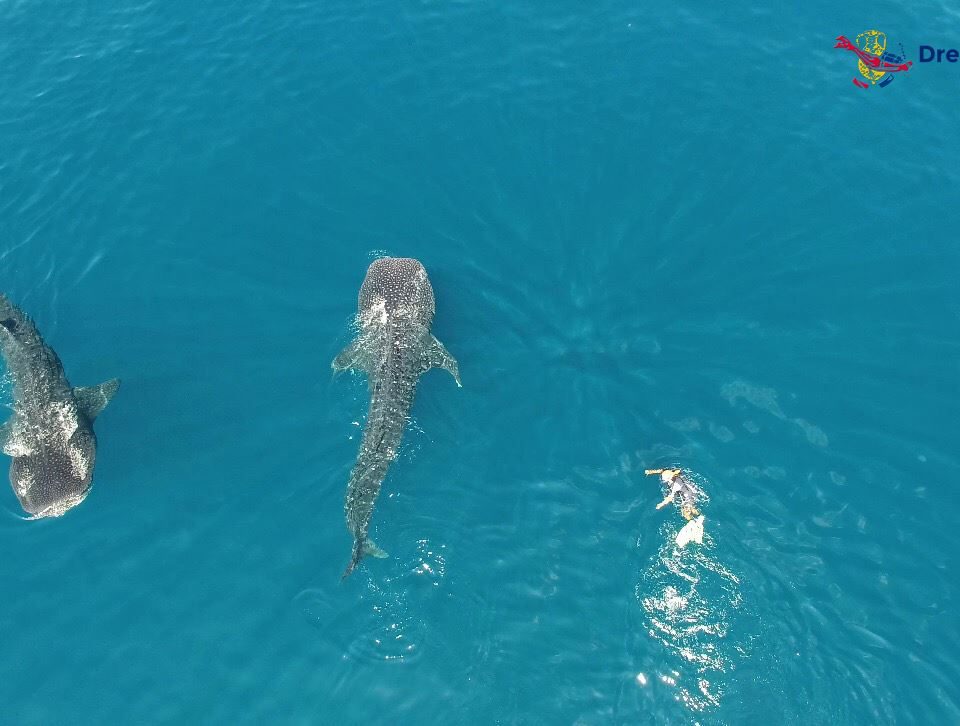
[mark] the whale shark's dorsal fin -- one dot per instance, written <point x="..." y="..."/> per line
<point x="353" y="356"/>
<point x="91" y="400"/>
<point x="437" y="356"/>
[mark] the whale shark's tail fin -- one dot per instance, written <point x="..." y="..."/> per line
<point x="361" y="548"/>
<point x="93" y="399"/>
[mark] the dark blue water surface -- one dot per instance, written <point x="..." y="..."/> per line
<point x="658" y="234"/>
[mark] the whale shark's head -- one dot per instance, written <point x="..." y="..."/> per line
<point x="55" y="476"/>
<point x="398" y="287"/>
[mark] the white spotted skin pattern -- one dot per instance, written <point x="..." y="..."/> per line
<point x="396" y="288"/>
<point x="53" y="444"/>
<point x="395" y="310"/>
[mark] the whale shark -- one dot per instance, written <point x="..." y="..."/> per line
<point x="50" y="434"/>
<point x="393" y="347"/>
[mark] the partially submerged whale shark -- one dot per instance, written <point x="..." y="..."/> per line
<point x="393" y="347"/>
<point x="50" y="435"/>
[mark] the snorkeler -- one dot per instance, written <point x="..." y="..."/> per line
<point x="682" y="487"/>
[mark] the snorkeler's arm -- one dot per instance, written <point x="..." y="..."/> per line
<point x="666" y="500"/>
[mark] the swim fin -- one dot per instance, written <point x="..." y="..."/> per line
<point x="692" y="532"/>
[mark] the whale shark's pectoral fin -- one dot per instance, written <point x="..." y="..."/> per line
<point x="93" y="399"/>
<point x="7" y="444"/>
<point x="353" y="356"/>
<point x="437" y="356"/>
<point x="6" y="431"/>
<point x="10" y="443"/>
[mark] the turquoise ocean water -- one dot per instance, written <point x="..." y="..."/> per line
<point x="659" y="233"/>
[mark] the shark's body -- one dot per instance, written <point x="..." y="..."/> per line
<point x="393" y="347"/>
<point x="50" y="434"/>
